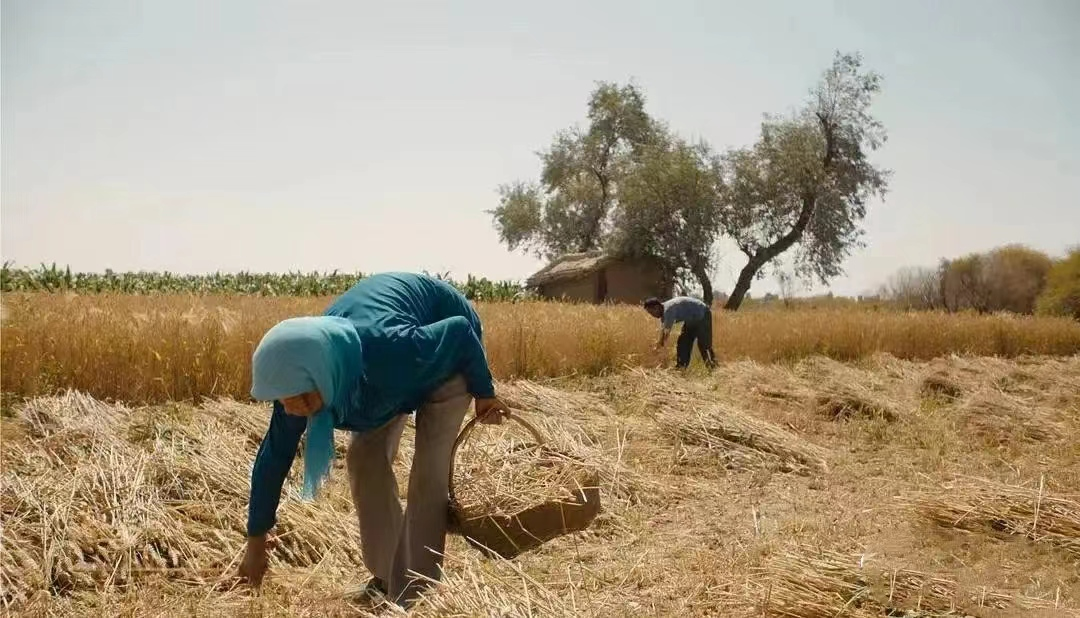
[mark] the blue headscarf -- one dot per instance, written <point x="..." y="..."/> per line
<point x="300" y="355"/>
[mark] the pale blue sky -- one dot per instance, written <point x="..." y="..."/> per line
<point x="270" y="136"/>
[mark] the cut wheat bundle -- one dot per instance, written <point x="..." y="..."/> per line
<point x="746" y="442"/>
<point x="940" y="385"/>
<point x="982" y="505"/>
<point x="999" y="417"/>
<point x="811" y="582"/>
<point x="529" y="395"/>
<point x="845" y="402"/>
<point x="740" y="439"/>
<point x="813" y="585"/>
<point x="520" y="494"/>
<point x="96" y="496"/>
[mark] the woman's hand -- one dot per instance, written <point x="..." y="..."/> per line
<point x="491" y="411"/>
<point x="253" y="566"/>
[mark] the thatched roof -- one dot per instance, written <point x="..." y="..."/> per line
<point x="570" y="266"/>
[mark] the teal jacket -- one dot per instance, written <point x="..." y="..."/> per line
<point x="416" y="332"/>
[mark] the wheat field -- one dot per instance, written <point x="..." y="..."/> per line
<point x="152" y="349"/>
<point x="839" y="463"/>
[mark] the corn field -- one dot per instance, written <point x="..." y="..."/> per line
<point x="54" y="279"/>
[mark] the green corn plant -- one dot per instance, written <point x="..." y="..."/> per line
<point x="53" y="279"/>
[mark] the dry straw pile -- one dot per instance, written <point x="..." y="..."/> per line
<point x="99" y="497"/>
<point x="981" y="505"/>
<point x="808" y="582"/>
<point x="706" y="428"/>
<point x="843" y="404"/>
<point x="1002" y="418"/>
<point x="96" y="495"/>
<point x="499" y="473"/>
<point x="583" y="426"/>
<point x="520" y="494"/>
<point x="117" y="510"/>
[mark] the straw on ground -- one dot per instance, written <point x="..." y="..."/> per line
<point x="127" y="510"/>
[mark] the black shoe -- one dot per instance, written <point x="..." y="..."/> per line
<point x="374" y="591"/>
<point x="376" y="585"/>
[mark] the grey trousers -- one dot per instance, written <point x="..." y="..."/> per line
<point x="394" y="543"/>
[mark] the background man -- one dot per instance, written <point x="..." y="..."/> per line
<point x="696" y="318"/>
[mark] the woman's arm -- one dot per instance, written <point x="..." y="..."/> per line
<point x="272" y="464"/>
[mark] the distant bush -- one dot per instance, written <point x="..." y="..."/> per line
<point x="1061" y="295"/>
<point x="1008" y="278"/>
<point x="1015" y="276"/>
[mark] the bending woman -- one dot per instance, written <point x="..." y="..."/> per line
<point x="393" y="344"/>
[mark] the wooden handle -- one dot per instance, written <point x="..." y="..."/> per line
<point x="467" y="429"/>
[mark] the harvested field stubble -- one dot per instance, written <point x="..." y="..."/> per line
<point x="152" y="349"/>
<point x="153" y="501"/>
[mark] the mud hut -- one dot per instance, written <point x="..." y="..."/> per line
<point x="597" y="277"/>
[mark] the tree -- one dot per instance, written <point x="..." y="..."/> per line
<point x="917" y="288"/>
<point x="962" y="286"/>
<point x="1061" y="296"/>
<point x="669" y="210"/>
<point x="786" y="281"/>
<point x="1008" y="278"/>
<point x="570" y="209"/>
<point x="806" y="182"/>
<point x="1015" y="275"/>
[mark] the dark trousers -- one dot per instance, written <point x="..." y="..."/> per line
<point x="700" y="331"/>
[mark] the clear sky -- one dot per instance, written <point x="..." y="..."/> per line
<point x="199" y="136"/>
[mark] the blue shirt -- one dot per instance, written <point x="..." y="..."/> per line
<point x="416" y="332"/>
<point x="683" y="309"/>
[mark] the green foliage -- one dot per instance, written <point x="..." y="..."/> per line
<point x="669" y="210"/>
<point x="1061" y="295"/>
<point x="53" y="279"/>
<point x="625" y="185"/>
<point x="571" y="208"/>
<point x="805" y="184"/>
<point x="628" y="185"/>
